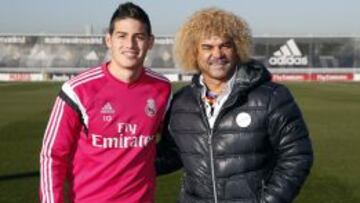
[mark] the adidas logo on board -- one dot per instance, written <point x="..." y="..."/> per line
<point x="288" y="54"/>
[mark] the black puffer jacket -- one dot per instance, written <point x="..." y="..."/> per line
<point x="258" y="151"/>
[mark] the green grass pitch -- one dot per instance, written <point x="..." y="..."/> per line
<point x="332" y="111"/>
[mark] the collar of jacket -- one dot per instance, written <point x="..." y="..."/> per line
<point x="248" y="76"/>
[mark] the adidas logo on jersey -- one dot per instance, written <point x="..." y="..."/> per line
<point x="288" y="54"/>
<point x="107" y="109"/>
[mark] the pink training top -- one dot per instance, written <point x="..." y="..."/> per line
<point x="101" y="138"/>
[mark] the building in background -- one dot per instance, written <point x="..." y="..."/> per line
<point x="294" y="58"/>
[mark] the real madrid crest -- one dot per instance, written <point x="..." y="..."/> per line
<point x="150" y="108"/>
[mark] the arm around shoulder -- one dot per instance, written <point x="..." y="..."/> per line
<point x="167" y="156"/>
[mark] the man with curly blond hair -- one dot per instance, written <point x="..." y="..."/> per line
<point x="238" y="136"/>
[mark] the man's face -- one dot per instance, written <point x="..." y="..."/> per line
<point x="216" y="58"/>
<point x="129" y="43"/>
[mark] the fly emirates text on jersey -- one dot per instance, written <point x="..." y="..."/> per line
<point x="127" y="138"/>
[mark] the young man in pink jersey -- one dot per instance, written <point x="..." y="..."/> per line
<point x="100" y="137"/>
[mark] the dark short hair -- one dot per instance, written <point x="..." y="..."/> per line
<point x="130" y="10"/>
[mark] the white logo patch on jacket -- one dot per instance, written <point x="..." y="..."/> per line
<point x="243" y="119"/>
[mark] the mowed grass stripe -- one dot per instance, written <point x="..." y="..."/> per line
<point x="331" y="110"/>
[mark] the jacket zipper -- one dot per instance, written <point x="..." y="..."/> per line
<point x="262" y="200"/>
<point x="210" y="140"/>
<point x="212" y="165"/>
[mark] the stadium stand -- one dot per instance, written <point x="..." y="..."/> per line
<point x="59" y="57"/>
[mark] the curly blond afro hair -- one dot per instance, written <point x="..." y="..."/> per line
<point x="210" y="22"/>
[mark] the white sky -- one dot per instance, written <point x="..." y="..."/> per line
<point x="277" y="17"/>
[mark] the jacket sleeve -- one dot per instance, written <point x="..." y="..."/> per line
<point x="293" y="155"/>
<point x="167" y="153"/>
<point x="62" y="129"/>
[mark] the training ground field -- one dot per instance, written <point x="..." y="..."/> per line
<point x="332" y="111"/>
